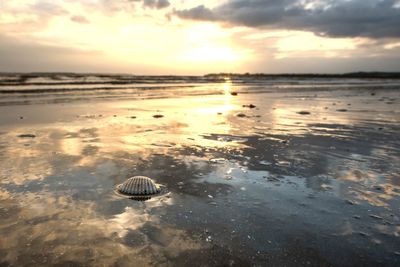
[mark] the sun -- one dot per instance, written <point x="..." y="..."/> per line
<point x="208" y="43"/>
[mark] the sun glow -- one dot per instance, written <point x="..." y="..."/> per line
<point x="120" y="41"/>
<point x="305" y="44"/>
<point x="208" y="43"/>
<point x="210" y="53"/>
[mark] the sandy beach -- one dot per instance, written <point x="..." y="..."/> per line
<point x="259" y="172"/>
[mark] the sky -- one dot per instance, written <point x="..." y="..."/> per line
<point x="199" y="36"/>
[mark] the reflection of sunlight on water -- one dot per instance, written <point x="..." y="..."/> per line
<point x="222" y="104"/>
<point x="227" y="86"/>
<point x="212" y="154"/>
<point x="71" y="146"/>
<point x="218" y="104"/>
<point x="227" y="94"/>
<point x="183" y="119"/>
<point x="286" y="118"/>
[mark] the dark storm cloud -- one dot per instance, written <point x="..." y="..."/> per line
<point x="339" y="18"/>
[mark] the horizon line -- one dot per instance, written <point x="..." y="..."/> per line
<point x="208" y="74"/>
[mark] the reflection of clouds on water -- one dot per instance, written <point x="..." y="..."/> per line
<point x="58" y="204"/>
<point x="42" y="225"/>
<point x="132" y="217"/>
<point x="378" y="197"/>
<point x="46" y="154"/>
<point x="58" y="229"/>
<point x="4" y="195"/>
<point x="25" y="160"/>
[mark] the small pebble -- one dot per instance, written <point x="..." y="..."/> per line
<point x="377" y="187"/>
<point x="27" y="136"/>
<point x="362" y="234"/>
<point x="249" y="106"/>
<point x="350" y="202"/>
<point x="376" y="217"/>
<point x="304" y="113"/>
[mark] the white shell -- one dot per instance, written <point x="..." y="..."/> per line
<point x="138" y="186"/>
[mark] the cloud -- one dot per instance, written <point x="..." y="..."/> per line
<point x="28" y="16"/>
<point x="80" y="19"/>
<point x="22" y="55"/>
<point x="157" y="4"/>
<point x="153" y="4"/>
<point x="196" y="13"/>
<point x="48" y="8"/>
<point x="336" y="18"/>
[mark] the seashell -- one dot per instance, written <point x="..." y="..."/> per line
<point x="139" y="186"/>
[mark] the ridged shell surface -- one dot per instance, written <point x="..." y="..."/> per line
<point x="138" y="186"/>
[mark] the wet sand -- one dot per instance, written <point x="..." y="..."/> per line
<point x="305" y="175"/>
